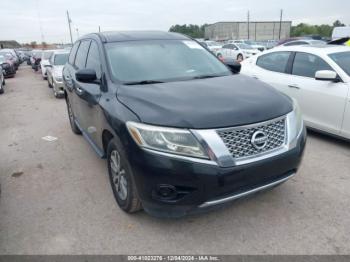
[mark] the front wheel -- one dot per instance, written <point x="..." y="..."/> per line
<point x="121" y="178"/>
<point x="240" y="58"/>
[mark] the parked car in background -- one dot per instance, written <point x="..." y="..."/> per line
<point x="340" y="32"/>
<point x="318" y="77"/>
<point x="45" y="57"/>
<point x="305" y="42"/>
<point x="7" y="65"/>
<point x="35" y="54"/>
<point x="15" y="58"/>
<point x="268" y="44"/>
<point x="251" y="43"/>
<point x="54" y="71"/>
<point x="181" y="132"/>
<point x="213" y="46"/>
<point x="2" y="80"/>
<point x="237" y="52"/>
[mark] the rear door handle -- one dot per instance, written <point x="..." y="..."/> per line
<point x="294" y="86"/>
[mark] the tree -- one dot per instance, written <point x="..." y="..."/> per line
<point x="33" y="44"/>
<point x="337" y="23"/>
<point x="303" y="29"/>
<point x="195" y="31"/>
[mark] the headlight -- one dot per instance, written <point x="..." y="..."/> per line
<point x="295" y="122"/>
<point x="170" y="140"/>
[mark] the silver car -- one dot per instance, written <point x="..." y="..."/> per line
<point x="54" y="71"/>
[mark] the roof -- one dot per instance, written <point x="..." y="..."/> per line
<point x="119" y="36"/>
<point x="326" y="49"/>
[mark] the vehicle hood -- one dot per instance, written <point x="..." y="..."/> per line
<point x="205" y="103"/>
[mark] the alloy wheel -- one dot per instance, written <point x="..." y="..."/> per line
<point x="118" y="175"/>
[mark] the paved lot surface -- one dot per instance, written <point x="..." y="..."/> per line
<point x="56" y="198"/>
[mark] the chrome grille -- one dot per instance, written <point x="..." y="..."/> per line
<point x="239" y="140"/>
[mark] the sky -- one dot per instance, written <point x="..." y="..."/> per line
<point x="45" y="20"/>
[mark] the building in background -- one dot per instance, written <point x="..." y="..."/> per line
<point x="9" y="44"/>
<point x="258" y="31"/>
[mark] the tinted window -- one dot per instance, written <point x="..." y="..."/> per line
<point x="93" y="59"/>
<point x="276" y="61"/>
<point x="226" y="46"/>
<point x="80" y="59"/>
<point x="73" y="52"/>
<point x="343" y="60"/>
<point x="307" y="65"/>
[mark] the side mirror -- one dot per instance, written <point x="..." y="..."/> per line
<point x="327" y="75"/>
<point x="234" y="66"/>
<point x="86" y="75"/>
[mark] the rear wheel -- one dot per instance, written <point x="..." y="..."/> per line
<point x="1" y="88"/>
<point x="73" y="125"/>
<point x="121" y="178"/>
<point x="240" y="57"/>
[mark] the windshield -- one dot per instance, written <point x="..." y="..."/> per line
<point x="162" y="60"/>
<point x="6" y="55"/>
<point x="47" y="55"/>
<point x="343" y="60"/>
<point x="244" y="46"/>
<point x="61" y="59"/>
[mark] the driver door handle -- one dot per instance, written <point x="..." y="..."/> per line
<point x="294" y="86"/>
<point x="80" y="90"/>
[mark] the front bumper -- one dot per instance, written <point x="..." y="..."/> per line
<point x="58" y="86"/>
<point x="200" y="186"/>
<point x="9" y="71"/>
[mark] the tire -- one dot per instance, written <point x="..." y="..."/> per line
<point x="3" y="81"/>
<point x="1" y="89"/>
<point x="73" y="125"/>
<point x="240" y="57"/>
<point x="122" y="178"/>
<point x="48" y="84"/>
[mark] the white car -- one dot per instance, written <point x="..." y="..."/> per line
<point x="213" y="46"/>
<point x="45" y="57"/>
<point x="253" y="44"/>
<point x="237" y="52"/>
<point x="318" y="77"/>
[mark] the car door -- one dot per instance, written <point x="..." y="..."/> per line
<point x="322" y="102"/>
<point x="224" y="51"/>
<point x="79" y="63"/>
<point x="68" y="79"/>
<point x="88" y="96"/>
<point x="49" y="69"/>
<point x="272" y="69"/>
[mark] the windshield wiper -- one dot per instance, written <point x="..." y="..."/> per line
<point x="206" y="76"/>
<point x="143" y="82"/>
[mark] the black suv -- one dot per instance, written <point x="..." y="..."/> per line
<point x="181" y="131"/>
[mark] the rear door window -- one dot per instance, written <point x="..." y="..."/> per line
<point x="276" y="62"/>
